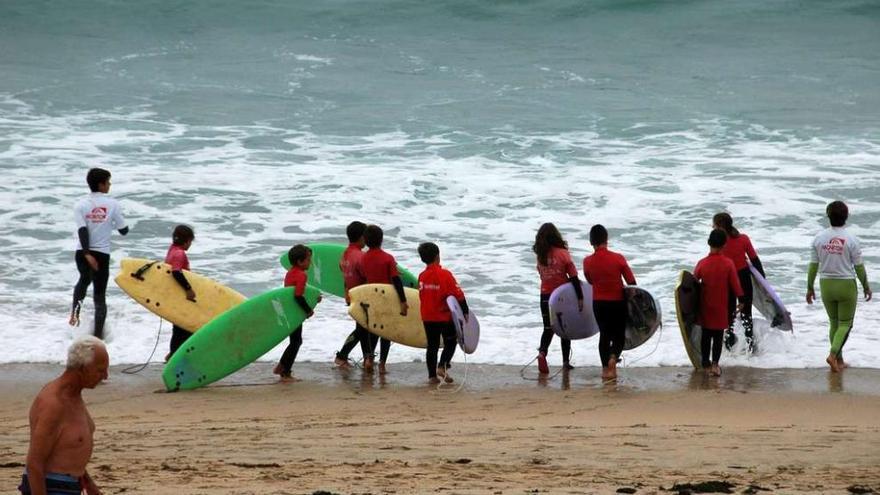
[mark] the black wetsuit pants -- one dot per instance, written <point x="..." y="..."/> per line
<point x="359" y="335"/>
<point x="178" y="337"/>
<point x="547" y="335"/>
<point x="98" y="280"/>
<point x="611" y="317"/>
<point x="434" y="330"/>
<point x="289" y="356"/>
<point x="745" y="281"/>
<point x="711" y="340"/>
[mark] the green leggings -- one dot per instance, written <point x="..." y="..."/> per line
<point x="839" y="297"/>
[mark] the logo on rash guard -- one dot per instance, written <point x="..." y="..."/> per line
<point x="424" y="286"/>
<point x="835" y="246"/>
<point x="97" y="215"/>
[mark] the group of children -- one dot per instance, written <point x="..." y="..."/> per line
<point x="724" y="277"/>
<point x="376" y="266"/>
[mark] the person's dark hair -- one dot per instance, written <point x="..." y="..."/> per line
<point x="837" y="213"/>
<point x="182" y="234"/>
<point x="298" y="253"/>
<point x="718" y="238"/>
<point x="548" y="236"/>
<point x="598" y="235"/>
<point x="373" y="236"/>
<point x="96" y="177"/>
<point x="355" y="231"/>
<point x="725" y="222"/>
<point x="428" y="252"/>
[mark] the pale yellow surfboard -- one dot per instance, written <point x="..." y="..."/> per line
<point x="376" y="307"/>
<point x="154" y="288"/>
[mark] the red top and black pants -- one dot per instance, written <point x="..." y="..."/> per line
<point x="379" y="267"/>
<point x="559" y="270"/>
<point x="435" y="285"/>
<point x="176" y="257"/>
<point x="605" y="270"/>
<point x="349" y="264"/>
<point x="718" y="280"/>
<point x="296" y="277"/>
<point x="738" y="249"/>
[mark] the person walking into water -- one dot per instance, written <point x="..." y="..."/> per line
<point x="836" y="256"/>
<point x="97" y="216"/>
<point x="740" y="250"/>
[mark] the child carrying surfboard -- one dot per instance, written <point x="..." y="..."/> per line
<point x="349" y="264"/>
<point x="606" y="270"/>
<point x="555" y="267"/>
<point x="379" y="267"/>
<point x="740" y="250"/>
<point x="300" y="258"/>
<point x="716" y="274"/>
<point x="181" y="239"/>
<point x="435" y="285"/>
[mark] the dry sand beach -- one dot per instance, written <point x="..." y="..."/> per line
<point x="754" y="431"/>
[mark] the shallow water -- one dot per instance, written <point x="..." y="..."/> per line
<point x="469" y="125"/>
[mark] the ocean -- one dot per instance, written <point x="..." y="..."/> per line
<point x="268" y="123"/>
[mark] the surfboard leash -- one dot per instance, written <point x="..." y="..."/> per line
<point x="656" y="346"/>
<point x="442" y="387"/>
<point x="522" y="372"/>
<point x="137" y="368"/>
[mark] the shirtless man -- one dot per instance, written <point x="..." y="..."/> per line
<point x="61" y="427"/>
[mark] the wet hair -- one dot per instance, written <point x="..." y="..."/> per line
<point x="182" y="234"/>
<point x="355" y="231"/>
<point x="725" y="222"/>
<point x="82" y="351"/>
<point x="598" y="235"/>
<point x="96" y="177"/>
<point x="428" y="252"/>
<point x="373" y="236"/>
<point x="548" y="236"/>
<point x="837" y="213"/>
<point x="718" y="238"/>
<point x="298" y="253"/>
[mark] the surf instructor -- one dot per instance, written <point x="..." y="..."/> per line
<point x="97" y="216"/>
<point x="836" y="256"/>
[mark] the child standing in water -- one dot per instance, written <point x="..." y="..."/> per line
<point x="555" y="268"/>
<point x="739" y="249"/>
<point x="349" y="264"/>
<point x="181" y="240"/>
<point x="717" y="277"/>
<point x="836" y="256"/>
<point x="435" y="285"/>
<point x="379" y="267"/>
<point x="606" y="270"/>
<point x="300" y="258"/>
<point x="97" y="216"/>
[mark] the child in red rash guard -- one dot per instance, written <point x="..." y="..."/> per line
<point x="379" y="267"/>
<point x="717" y="276"/>
<point x="181" y="240"/>
<point x="605" y="270"/>
<point x="555" y="268"/>
<point x="435" y="285"/>
<point x="300" y="258"/>
<point x="739" y="248"/>
<point x="351" y="259"/>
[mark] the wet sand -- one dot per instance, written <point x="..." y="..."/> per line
<point x="789" y="431"/>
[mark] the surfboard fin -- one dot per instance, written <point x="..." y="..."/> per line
<point x="139" y="274"/>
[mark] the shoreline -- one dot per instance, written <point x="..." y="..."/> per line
<point x="343" y="432"/>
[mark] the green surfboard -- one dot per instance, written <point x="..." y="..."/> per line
<point x="326" y="275"/>
<point x="236" y="338"/>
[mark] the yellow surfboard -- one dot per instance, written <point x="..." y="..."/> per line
<point x="376" y="307"/>
<point x="150" y="283"/>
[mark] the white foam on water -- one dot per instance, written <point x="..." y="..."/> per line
<point x="252" y="191"/>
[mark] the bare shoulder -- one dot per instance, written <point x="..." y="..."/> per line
<point x="47" y="406"/>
